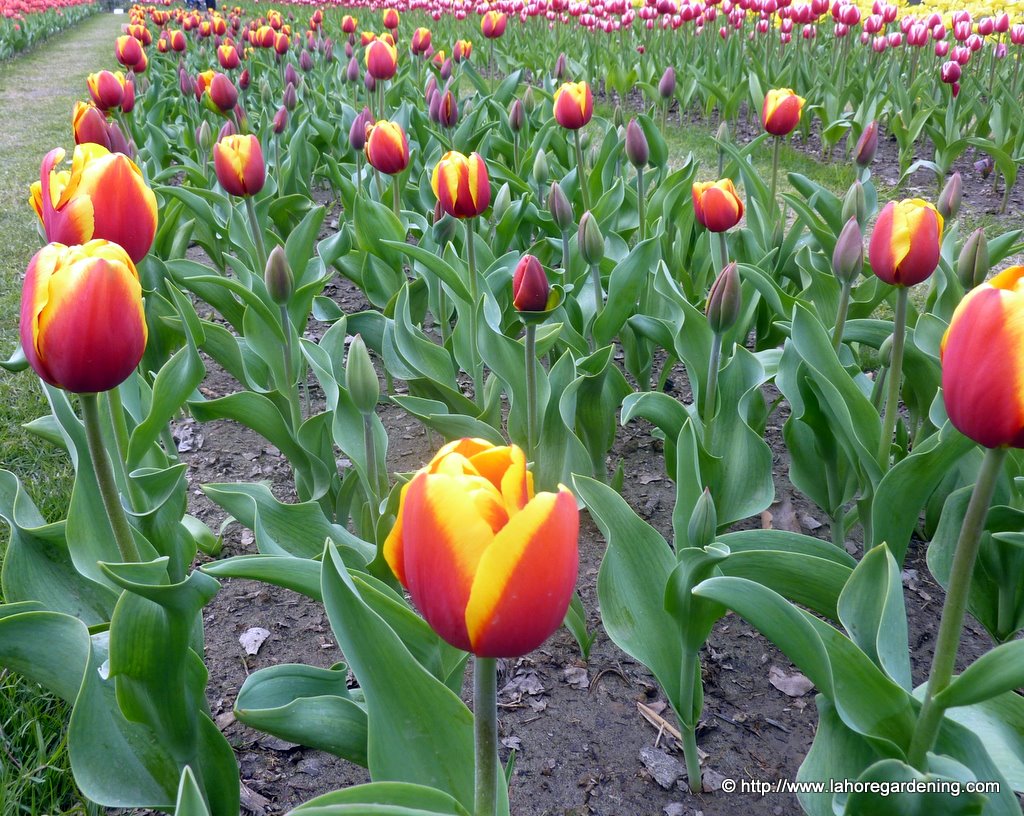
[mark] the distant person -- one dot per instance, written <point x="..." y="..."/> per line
<point x="211" y="5"/>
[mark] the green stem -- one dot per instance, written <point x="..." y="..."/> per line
<point x="565" y="250"/>
<point x="257" y="235"/>
<point x="396" y="197"/>
<point x="951" y="624"/>
<point x="280" y="174"/>
<point x="291" y="388"/>
<point x="105" y="479"/>
<point x="775" y="167"/>
<point x="581" y="174"/>
<point x="485" y="734"/>
<point x="373" y="472"/>
<point x="844" y="307"/>
<point x="640" y="201"/>
<point x="723" y="248"/>
<point x="595" y="279"/>
<point x="119" y="427"/>
<point x="359" y="172"/>
<point x="687" y="719"/>
<point x="532" y="425"/>
<point x="474" y="293"/>
<point x="892" y="398"/>
<point x="709" y="400"/>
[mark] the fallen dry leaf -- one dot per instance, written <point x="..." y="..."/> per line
<point x="793" y="685"/>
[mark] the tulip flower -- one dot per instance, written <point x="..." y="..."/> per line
<point x="128" y="50"/>
<point x="391" y="19"/>
<point x="461" y="50"/>
<point x="461" y="184"/>
<point x="83" y="328"/>
<point x="867" y="145"/>
<point x="717" y="204"/>
<point x="781" y="112"/>
<point x="90" y="125"/>
<point x="387" y="147"/>
<point x="176" y="39"/>
<point x="381" y="60"/>
<point x="951" y="197"/>
<point x="222" y="93"/>
<point x="905" y="243"/>
<point x="490" y="565"/>
<point x="492" y="24"/>
<point x="421" y="39"/>
<point x="238" y="162"/>
<point x="227" y="56"/>
<point x="973" y="265"/>
<point x="349" y="24"/>
<point x="573" y="105"/>
<point x="530" y="287"/>
<point x="106" y="89"/>
<point x="103" y="196"/>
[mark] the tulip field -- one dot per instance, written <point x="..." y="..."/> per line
<point x="447" y="440"/>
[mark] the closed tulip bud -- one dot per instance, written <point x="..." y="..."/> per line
<point x="951" y="196"/>
<point x="867" y="145"/>
<point x="667" y="83"/>
<point x="717" y="205"/>
<point x="722" y="134"/>
<point x="90" y="125"/>
<point x="291" y="75"/>
<point x="357" y="133"/>
<point x="280" y="120"/>
<point x="560" y="208"/>
<point x="855" y="204"/>
<point x="127" y="50"/>
<point x="446" y="70"/>
<point x="431" y="88"/>
<point x="103" y="196"/>
<point x="848" y="257"/>
<point x="266" y="94"/>
<point x="305" y="62"/>
<point x="905" y="243"/>
<point x="516" y="116"/>
<point x="106" y="89"/>
<point x="973" y="265"/>
<point x="637" y="150"/>
<point x="529" y="100"/>
<point x="352" y="71"/>
<point x="244" y="79"/>
<point x="590" y="240"/>
<point x="391" y="19"/>
<point x="361" y="377"/>
<point x="461" y="184"/>
<point x="434" y="105"/>
<point x="490" y="565"/>
<point x="447" y="110"/>
<point x="502" y="201"/>
<point x="227" y="129"/>
<point x="238" y="161"/>
<point x="223" y="93"/>
<point x="530" y="287"/>
<point x="703" y="526"/>
<point x="781" y="112"/>
<point x="573" y="105"/>
<point x="290" y="98"/>
<point x="204" y="136"/>
<point x="387" y="147"/>
<point x="118" y="142"/>
<point x="618" y="118"/>
<point x="540" y="168"/>
<point x="83" y="327"/>
<point x="724" y="300"/>
<point x="561" y="68"/>
<point x="278" y="277"/>
<point x="982" y="362"/>
<point x="369" y="82"/>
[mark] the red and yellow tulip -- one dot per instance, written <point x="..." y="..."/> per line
<point x="228" y="57"/>
<point x="103" y="196"/>
<point x="106" y="89"/>
<point x="781" y="112"/>
<point x="238" y="162"/>
<point x="128" y="50"/>
<point x="391" y="18"/>
<point x="421" y="39"/>
<point x="381" y="59"/>
<point x="574" y="105"/>
<point x="492" y="24"/>
<point x="906" y="242"/>
<point x="490" y="565"/>
<point x="717" y="204"/>
<point x="387" y="147"/>
<point x="462" y="50"/>
<point x="461" y="184"/>
<point x="983" y="362"/>
<point x="82" y="322"/>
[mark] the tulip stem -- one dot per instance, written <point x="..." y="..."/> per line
<point x="640" y="202"/>
<point x="474" y="293"/>
<point x="844" y="307"/>
<point x="257" y="236"/>
<point x="359" y="173"/>
<point x="712" y="395"/>
<point x="291" y="388"/>
<point x="688" y="673"/>
<point x="595" y="278"/>
<point x="372" y="471"/>
<point x="952" y="622"/>
<point x="723" y="248"/>
<point x="565" y="251"/>
<point x="531" y="393"/>
<point x="775" y="167"/>
<point x="396" y="198"/>
<point x="485" y="733"/>
<point x="105" y="479"/>
<point x="581" y="173"/>
<point x="892" y="398"/>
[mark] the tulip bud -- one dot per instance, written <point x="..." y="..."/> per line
<point x="848" y="257"/>
<point x="278" y="277"/>
<point x="637" y="149"/>
<point x="361" y="377"/>
<point x="502" y="201"/>
<point x="305" y="61"/>
<point x="352" y="72"/>
<point x="617" y="116"/>
<point x="560" y="209"/>
<point x="703" y="526"/>
<point x="266" y="94"/>
<point x="724" y="300"/>
<point x="867" y="145"/>
<point x="723" y="132"/>
<point x="529" y="100"/>
<point x="561" y="68"/>
<point x="243" y="79"/>
<point x="204" y="136"/>
<point x="855" y="204"/>
<point x="369" y="82"/>
<point x="540" y="168"/>
<point x="434" y="106"/>
<point x="516" y="116"/>
<point x="530" y="287"/>
<point x="590" y="240"/>
<point x="223" y="93"/>
<point x="280" y="120"/>
<point x="667" y="84"/>
<point x="948" y="204"/>
<point x="431" y="88"/>
<point x="447" y="110"/>
<point x="128" y="100"/>
<point x="291" y="75"/>
<point x="973" y="266"/>
<point x="118" y="142"/>
<point x="357" y="133"/>
<point x="227" y="129"/>
<point x="290" y="98"/>
<point x="446" y="70"/>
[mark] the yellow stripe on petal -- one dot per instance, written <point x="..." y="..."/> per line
<point x="900" y="235"/>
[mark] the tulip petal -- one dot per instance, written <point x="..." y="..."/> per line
<point x="443" y="537"/>
<point x="525" y="578"/>
<point x="127" y="213"/>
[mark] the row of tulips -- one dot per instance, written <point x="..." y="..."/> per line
<point x="545" y="240"/>
<point x="25" y="23"/>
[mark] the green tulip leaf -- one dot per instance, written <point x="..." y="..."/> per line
<point x="994" y="673"/>
<point x="383" y="799"/>
<point x="190" y="800"/>
<point x="888" y="802"/>
<point x="49" y="648"/>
